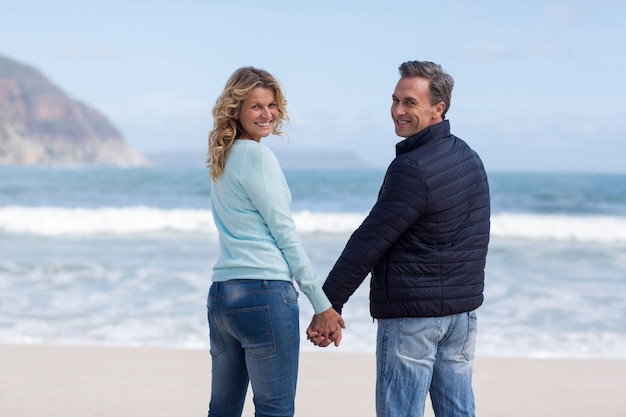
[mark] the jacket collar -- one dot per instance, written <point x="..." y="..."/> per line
<point x="439" y="130"/>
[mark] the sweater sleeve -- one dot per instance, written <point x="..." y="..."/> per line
<point x="269" y="192"/>
<point x="400" y="203"/>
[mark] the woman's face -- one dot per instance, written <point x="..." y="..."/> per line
<point x="258" y="113"/>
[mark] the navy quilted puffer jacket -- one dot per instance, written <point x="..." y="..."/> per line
<point x="425" y="240"/>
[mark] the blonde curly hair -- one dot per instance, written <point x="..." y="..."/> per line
<point x="226" y="127"/>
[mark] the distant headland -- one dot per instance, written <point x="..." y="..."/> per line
<point x="41" y="125"/>
<point x="289" y="158"/>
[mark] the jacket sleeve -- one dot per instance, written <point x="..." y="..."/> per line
<point x="400" y="203"/>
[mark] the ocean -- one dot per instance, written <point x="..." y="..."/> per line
<point x="123" y="257"/>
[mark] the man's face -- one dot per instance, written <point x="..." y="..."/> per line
<point x="411" y="110"/>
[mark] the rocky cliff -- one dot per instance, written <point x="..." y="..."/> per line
<point x="40" y="124"/>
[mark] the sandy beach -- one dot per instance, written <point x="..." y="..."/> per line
<point x="59" y="381"/>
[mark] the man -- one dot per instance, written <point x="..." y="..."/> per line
<point x="425" y="244"/>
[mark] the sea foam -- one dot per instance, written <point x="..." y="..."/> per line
<point x="52" y="221"/>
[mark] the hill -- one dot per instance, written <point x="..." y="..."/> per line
<point x="40" y="124"/>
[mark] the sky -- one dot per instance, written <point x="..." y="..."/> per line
<point x="539" y="85"/>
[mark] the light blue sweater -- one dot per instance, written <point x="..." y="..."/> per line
<point x="251" y="209"/>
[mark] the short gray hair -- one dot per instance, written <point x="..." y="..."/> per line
<point x="441" y="83"/>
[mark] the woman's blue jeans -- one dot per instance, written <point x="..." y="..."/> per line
<point x="255" y="338"/>
<point x="418" y="355"/>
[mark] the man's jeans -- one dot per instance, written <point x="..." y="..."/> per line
<point x="418" y="355"/>
<point x="255" y="337"/>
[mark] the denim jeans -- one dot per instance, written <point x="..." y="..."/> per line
<point x="418" y="355"/>
<point x="255" y="338"/>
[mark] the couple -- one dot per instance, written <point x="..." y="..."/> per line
<point x="424" y="243"/>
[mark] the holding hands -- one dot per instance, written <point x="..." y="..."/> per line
<point x="326" y="328"/>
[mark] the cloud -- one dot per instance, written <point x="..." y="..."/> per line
<point x="90" y="54"/>
<point x="169" y="105"/>
<point x="546" y="50"/>
<point x="493" y="50"/>
<point x="499" y="51"/>
<point x="557" y="129"/>
<point x="565" y="10"/>
<point x="339" y="121"/>
<point x="163" y="117"/>
<point x="459" y="7"/>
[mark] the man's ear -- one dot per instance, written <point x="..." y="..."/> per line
<point x="439" y="108"/>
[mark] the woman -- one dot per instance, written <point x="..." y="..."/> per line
<point x="252" y="303"/>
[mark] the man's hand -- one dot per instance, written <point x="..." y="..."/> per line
<point x="325" y="328"/>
